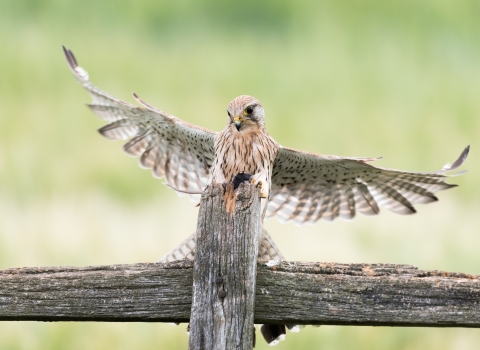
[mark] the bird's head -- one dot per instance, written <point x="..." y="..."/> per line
<point x="245" y="112"/>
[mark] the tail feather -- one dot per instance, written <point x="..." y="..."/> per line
<point x="184" y="250"/>
<point x="273" y="333"/>
<point x="267" y="250"/>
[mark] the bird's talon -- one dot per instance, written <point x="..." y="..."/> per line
<point x="259" y="184"/>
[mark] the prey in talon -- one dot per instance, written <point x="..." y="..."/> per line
<point x="245" y="177"/>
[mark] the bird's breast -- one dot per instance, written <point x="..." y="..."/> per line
<point x="252" y="153"/>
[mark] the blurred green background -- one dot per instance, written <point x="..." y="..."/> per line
<point x="399" y="79"/>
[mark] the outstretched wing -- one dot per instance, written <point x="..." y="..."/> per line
<point x="180" y="152"/>
<point x="307" y="187"/>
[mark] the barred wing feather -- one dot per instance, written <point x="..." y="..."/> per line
<point x="307" y="187"/>
<point x="180" y="152"/>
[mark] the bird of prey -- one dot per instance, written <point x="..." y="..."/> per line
<point x="298" y="186"/>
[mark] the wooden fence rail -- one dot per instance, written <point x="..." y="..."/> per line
<point x="224" y="290"/>
<point x="288" y="292"/>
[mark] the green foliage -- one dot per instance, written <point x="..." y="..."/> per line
<point x="360" y="78"/>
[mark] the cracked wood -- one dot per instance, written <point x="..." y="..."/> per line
<point x="225" y="268"/>
<point x="296" y="292"/>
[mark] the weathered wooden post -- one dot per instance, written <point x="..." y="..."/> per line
<point x="225" y="267"/>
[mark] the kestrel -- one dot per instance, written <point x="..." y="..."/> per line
<point x="298" y="186"/>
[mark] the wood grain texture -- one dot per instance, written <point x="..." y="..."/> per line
<point x="225" y="268"/>
<point x="123" y="293"/>
<point x="366" y="294"/>
<point x="298" y="292"/>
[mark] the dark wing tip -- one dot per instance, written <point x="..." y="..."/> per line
<point x="72" y="62"/>
<point x="79" y="72"/>
<point x="459" y="160"/>
<point x="451" y="186"/>
<point x="462" y="157"/>
<point x="105" y="129"/>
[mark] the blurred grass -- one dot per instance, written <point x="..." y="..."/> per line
<point x="399" y="79"/>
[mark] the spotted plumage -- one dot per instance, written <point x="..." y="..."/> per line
<point x="299" y="186"/>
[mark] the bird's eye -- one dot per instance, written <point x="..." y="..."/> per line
<point x="229" y="114"/>
<point x="249" y="110"/>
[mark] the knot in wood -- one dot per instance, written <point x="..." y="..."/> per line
<point x="240" y="199"/>
<point x="247" y="193"/>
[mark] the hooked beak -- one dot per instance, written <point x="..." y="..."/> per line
<point x="238" y="122"/>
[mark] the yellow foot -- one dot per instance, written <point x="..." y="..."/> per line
<point x="259" y="185"/>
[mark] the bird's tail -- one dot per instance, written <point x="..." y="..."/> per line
<point x="184" y="250"/>
<point x="267" y="250"/>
